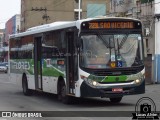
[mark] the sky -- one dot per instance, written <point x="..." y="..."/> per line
<point x="8" y="8"/>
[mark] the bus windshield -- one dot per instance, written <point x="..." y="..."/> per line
<point x="111" y="51"/>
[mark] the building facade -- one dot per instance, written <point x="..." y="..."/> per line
<point x="1" y="37"/>
<point x="12" y="26"/>
<point x="1" y="44"/>
<point x="40" y="12"/>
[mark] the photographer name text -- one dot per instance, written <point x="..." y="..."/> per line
<point x="148" y="114"/>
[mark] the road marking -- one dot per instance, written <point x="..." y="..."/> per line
<point x="6" y="83"/>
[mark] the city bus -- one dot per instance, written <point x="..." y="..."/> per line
<point x="93" y="57"/>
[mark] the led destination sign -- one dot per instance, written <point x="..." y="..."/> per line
<point x="97" y="25"/>
<point x="111" y="25"/>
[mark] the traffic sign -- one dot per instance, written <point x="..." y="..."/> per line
<point x="113" y="64"/>
<point x="119" y="63"/>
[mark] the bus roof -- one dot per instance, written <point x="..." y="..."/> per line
<point x="62" y="25"/>
<point x="45" y="28"/>
<point x="104" y="17"/>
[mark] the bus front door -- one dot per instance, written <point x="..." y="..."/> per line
<point x="72" y="64"/>
<point x="38" y="62"/>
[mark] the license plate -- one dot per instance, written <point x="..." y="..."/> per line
<point x="117" y="89"/>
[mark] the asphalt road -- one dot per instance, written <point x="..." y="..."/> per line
<point x="12" y="99"/>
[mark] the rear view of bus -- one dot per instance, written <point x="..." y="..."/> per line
<point x="111" y="58"/>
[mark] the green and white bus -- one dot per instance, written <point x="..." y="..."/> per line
<point x="94" y="57"/>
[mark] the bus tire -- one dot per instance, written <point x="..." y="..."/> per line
<point x="116" y="100"/>
<point x="62" y="94"/>
<point x="26" y="91"/>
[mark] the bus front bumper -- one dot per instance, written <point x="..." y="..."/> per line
<point x="88" y="91"/>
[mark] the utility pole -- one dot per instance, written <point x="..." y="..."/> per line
<point x="79" y="9"/>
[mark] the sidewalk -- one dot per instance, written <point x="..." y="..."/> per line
<point x="150" y="82"/>
<point x="153" y="87"/>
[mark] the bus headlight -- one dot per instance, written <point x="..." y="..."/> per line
<point x="94" y="83"/>
<point x="137" y="81"/>
<point x="89" y="81"/>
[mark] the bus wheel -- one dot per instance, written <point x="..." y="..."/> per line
<point x="116" y="100"/>
<point x="62" y="95"/>
<point x="26" y="91"/>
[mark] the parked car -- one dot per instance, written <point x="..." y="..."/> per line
<point x="3" y="67"/>
<point x="6" y="64"/>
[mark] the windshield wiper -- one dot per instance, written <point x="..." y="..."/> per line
<point x="103" y="40"/>
<point x="123" y="41"/>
